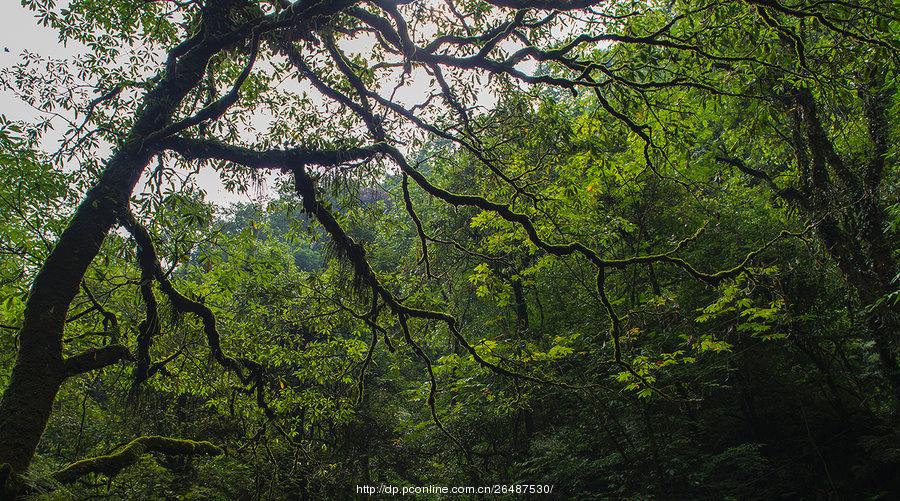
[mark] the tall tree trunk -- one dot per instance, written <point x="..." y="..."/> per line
<point x="850" y="215"/>
<point x="40" y="369"/>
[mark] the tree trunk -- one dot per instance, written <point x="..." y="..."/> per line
<point x="850" y="216"/>
<point x="39" y="369"/>
<point x="869" y="271"/>
<point x="38" y="372"/>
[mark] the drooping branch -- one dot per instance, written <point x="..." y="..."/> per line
<point x="247" y="371"/>
<point x="111" y="464"/>
<point x="356" y="254"/>
<point x="202" y="149"/>
<point x="525" y="222"/>
<point x="420" y="229"/>
<point x="149" y="328"/>
<point x="149" y="262"/>
<point x="296" y="160"/>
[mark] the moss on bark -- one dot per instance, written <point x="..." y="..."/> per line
<point x="111" y="464"/>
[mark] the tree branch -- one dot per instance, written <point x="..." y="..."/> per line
<point x="110" y="465"/>
<point x="95" y="359"/>
<point x="194" y="149"/>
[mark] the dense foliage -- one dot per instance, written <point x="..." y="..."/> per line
<point x="627" y="249"/>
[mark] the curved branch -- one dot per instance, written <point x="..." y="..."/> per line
<point x="111" y="464"/>
<point x="150" y="265"/>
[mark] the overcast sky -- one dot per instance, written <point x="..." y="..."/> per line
<point x="20" y="31"/>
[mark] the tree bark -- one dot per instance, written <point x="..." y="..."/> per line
<point x="40" y="370"/>
<point x="851" y="217"/>
<point x="111" y="464"/>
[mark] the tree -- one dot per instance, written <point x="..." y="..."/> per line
<point x="222" y="65"/>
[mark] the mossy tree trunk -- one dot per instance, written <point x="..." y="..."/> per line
<point x="40" y="367"/>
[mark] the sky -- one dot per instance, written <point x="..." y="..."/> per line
<point x="20" y="31"/>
